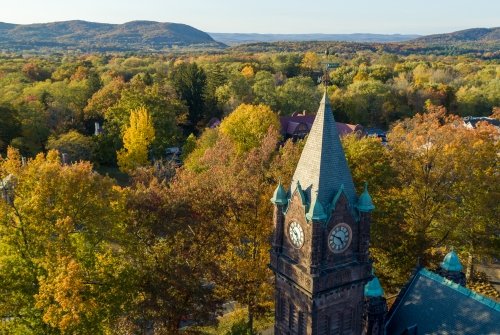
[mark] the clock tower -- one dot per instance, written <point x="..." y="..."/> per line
<point x="319" y="252"/>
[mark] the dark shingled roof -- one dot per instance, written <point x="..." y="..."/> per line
<point x="322" y="167"/>
<point x="436" y="305"/>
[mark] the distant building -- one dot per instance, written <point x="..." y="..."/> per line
<point x="298" y="125"/>
<point x="472" y="121"/>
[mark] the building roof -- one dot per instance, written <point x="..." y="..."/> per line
<point x="290" y="125"/>
<point x="373" y="288"/>
<point x="451" y="262"/>
<point x="365" y="203"/>
<point x="436" y="305"/>
<point x="472" y="121"/>
<point x="322" y="167"/>
<point x="279" y="196"/>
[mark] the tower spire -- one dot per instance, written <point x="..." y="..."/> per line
<point x="322" y="167"/>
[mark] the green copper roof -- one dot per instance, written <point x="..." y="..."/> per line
<point x="316" y="212"/>
<point x="279" y="197"/>
<point x="451" y="262"/>
<point x="365" y="203"/>
<point x="439" y="306"/>
<point x="322" y="166"/>
<point x="373" y="288"/>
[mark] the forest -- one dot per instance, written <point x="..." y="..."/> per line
<point x="114" y="237"/>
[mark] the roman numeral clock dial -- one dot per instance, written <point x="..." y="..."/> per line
<point x="339" y="238"/>
<point x="296" y="235"/>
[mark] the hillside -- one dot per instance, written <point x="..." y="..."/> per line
<point x="237" y="38"/>
<point x="91" y="36"/>
<point x="486" y="35"/>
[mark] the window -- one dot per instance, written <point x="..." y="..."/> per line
<point x="301" y="325"/>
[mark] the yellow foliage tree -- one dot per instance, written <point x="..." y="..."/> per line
<point x="310" y="61"/>
<point x="247" y="125"/>
<point x="136" y="140"/>
<point x="248" y="72"/>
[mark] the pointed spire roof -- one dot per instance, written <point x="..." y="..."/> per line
<point x="322" y="167"/>
<point x="451" y="262"/>
<point x="279" y="196"/>
<point x="373" y="288"/>
<point x="365" y="203"/>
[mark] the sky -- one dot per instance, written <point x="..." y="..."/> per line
<point x="270" y="16"/>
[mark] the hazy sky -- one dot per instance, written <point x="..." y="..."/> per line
<point x="269" y="16"/>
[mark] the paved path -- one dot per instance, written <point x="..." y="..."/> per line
<point x="492" y="270"/>
<point x="269" y="331"/>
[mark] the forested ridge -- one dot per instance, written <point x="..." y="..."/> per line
<point x="165" y="244"/>
<point x="84" y="36"/>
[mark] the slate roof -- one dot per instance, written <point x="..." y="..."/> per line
<point x="438" y="306"/>
<point x="289" y="125"/>
<point x="322" y="167"/>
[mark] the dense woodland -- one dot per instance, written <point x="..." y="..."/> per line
<point x="166" y="244"/>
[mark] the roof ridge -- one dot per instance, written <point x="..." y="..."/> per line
<point x="459" y="288"/>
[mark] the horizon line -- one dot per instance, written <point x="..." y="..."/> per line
<point x="254" y="33"/>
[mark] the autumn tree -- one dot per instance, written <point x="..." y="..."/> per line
<point x="310" y="62"/>
<point x="174" y="235"/>
<point x="247" y="125"/>
<point x="58" y="272"/>
<point x="136" y="140"/>
<point x="444" y="177"/>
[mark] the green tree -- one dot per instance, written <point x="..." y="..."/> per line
<point x="264" y="89"/>
<point x="136" y="140"/>
<point x="190" y="82"/>
<point x="75" y="145"/>
<point x="298" y="94"/>
<point x="10" y="127"/>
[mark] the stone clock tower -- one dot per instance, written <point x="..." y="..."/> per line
<point x="321" y="236"/>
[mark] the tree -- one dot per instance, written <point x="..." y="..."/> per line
<point x="58" y="270"/>
<point x="310" y="62"/>
<point x="174" y="234"/>
<point x="75" y="145"/>
<point x="190" y="83"/>
<point x="298" y="94"/>
<point x="264" y="89"/>
<point x="439" y="197"/>
<point x="10" y="127"/>
<point x="247" y="125"/>
<point x="136" y="140"/>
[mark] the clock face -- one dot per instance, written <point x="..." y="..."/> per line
<point x="339" y="238"/>
<point x="296" y="234"/>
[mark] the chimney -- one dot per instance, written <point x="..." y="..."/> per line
<point x="64" y="157"/>
<point x="97" y="128"/>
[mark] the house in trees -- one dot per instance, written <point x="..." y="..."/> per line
<point x="298" y="125"/>
<point x="324" y="281"/>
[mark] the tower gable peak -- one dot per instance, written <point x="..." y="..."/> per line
<point x="322" y="167"/>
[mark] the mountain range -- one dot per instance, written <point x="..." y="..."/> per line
<point x="238" y="38"/>
<point x="150" y="36"/>
<point x="463" y="36"/>
<point x="92" y="36"/>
